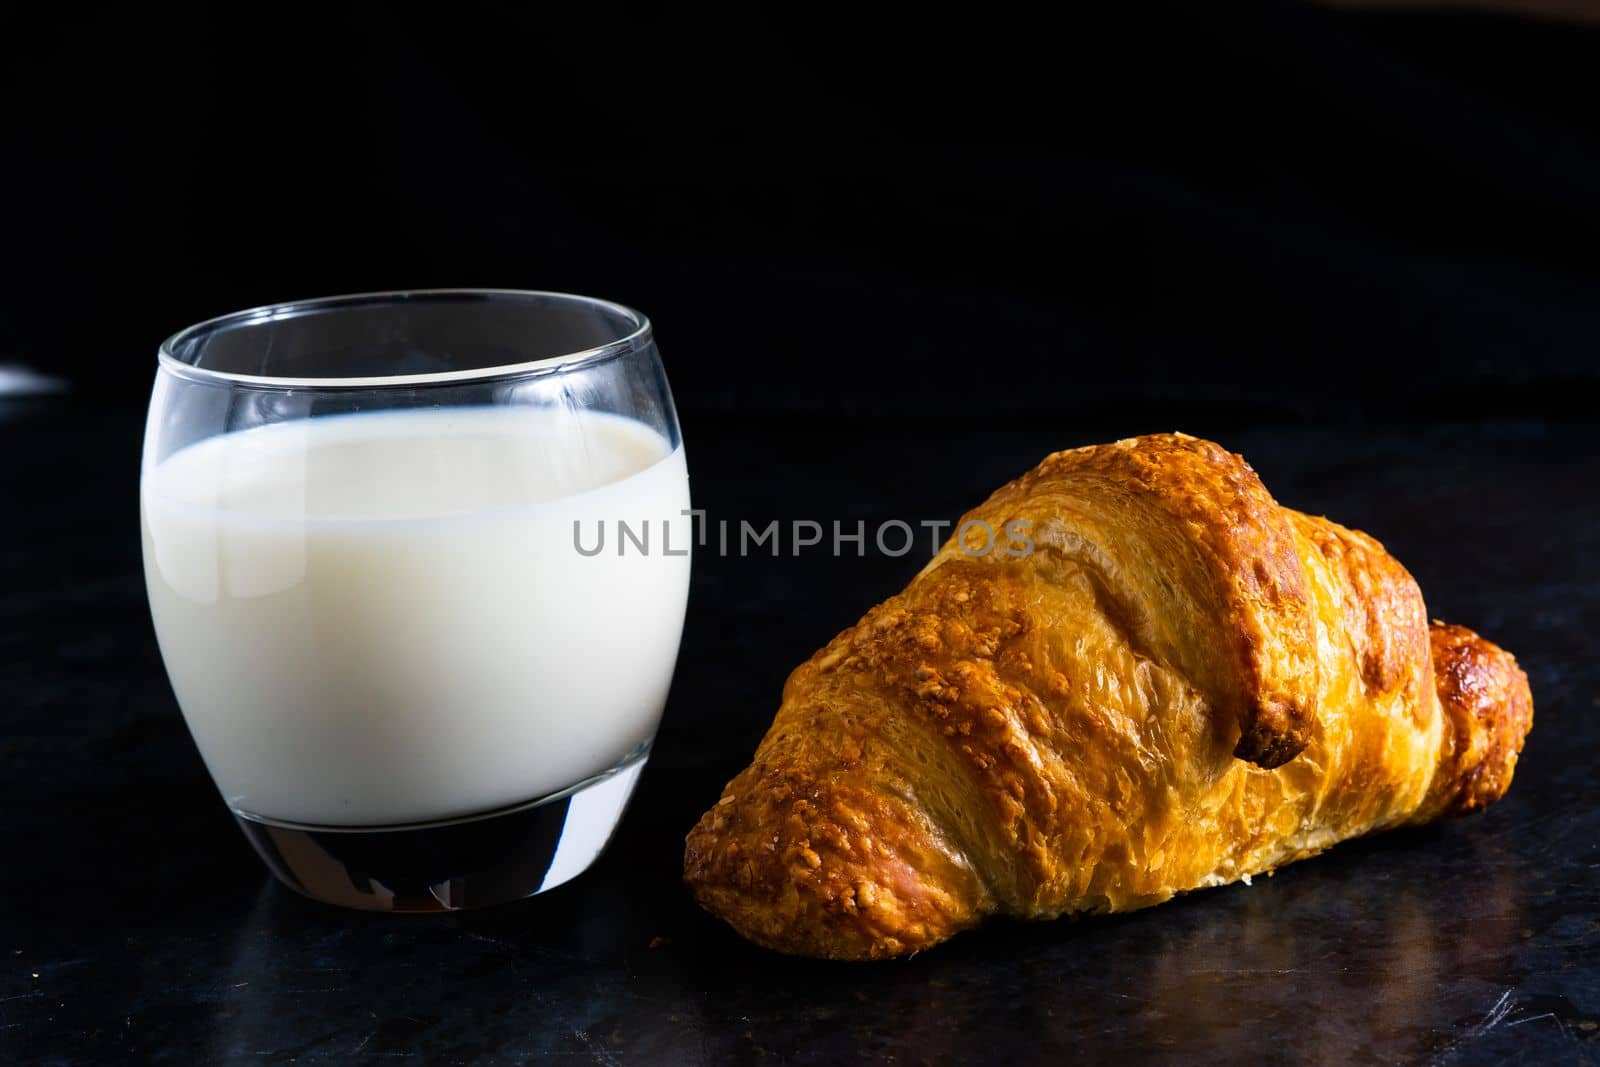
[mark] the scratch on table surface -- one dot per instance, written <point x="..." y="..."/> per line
<point x="56" y="966"/>
<point x="599" y="1051"/>
<point x="1264" y="970"/>
<point x="22" y="996"/>
<point x="1524" y="824"/>
<point x="364" y="1041"/>
<point x="1496" y="1016"/>
<point x="1543" y="1015"/>
<point x="538" y="951"/>
<point x="495" y="941"/>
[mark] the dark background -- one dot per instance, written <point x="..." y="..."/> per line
<point x="888" y="271"/>
<point x="1272" y="212"/>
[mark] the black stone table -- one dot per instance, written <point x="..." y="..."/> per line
<point x="136" y="925"/>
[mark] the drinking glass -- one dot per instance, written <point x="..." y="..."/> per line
<point x="418" y="564"/>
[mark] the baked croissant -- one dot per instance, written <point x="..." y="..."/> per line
<point x="1183" y="684"/>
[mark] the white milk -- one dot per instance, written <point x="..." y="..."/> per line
<point x="383" y="618"/>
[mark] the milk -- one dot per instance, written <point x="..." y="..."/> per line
<point x="383" y="618"/>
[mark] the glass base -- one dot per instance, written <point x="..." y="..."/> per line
<point x="454" y="864"/>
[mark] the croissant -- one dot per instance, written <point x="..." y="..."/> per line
<point x="1181" y="685"/>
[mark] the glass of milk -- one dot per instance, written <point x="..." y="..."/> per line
<point x="418" y="564"/>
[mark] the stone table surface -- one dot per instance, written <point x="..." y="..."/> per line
<point x="137" y="925"/>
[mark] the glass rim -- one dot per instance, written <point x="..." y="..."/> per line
<point x="167" y="359"/>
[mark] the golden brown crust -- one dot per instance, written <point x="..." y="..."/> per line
<point x="1381" y="612"/>
<point x="1057" y="732"/>
<point x="1202" y="511"/>
<point x="823" y="862"/>
<point x="1488" y="711"/>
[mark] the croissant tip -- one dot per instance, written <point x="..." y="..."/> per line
<point x="793" y="874"/>
<point x="1488" y="710"/>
